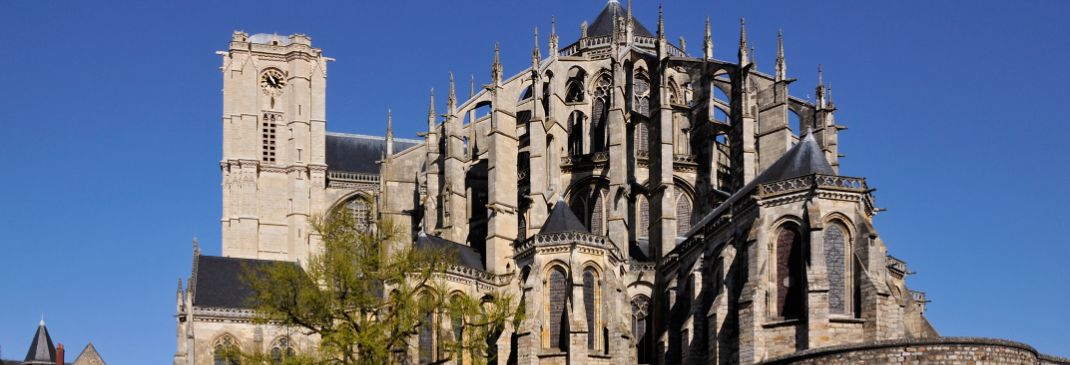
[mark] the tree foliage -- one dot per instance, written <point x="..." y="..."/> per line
<point x="365" y="295"/>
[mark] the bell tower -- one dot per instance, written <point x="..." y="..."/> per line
<point x="273" y="162"/>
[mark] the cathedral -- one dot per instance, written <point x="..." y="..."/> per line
<point x="647" y="204"/>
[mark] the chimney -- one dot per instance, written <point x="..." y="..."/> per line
<point x="59" y="355"/>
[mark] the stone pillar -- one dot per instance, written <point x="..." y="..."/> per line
<point x="774" y="132"/>
<point x="743" y="144"/>
<point x="501" y="198"/>
<point x="663" y="199"/>
<point x="616" y="202"/>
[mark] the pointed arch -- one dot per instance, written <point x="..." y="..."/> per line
<point x="556" y="334"/>
<point x="683" y="214"/>
<point x="592" y="299"/>
<point x="281" y="349"/>
<point x="643" y="217"/>
<point x="575" y="133"/>
<point x="226" y="350"/>
<point x="790" y="272"/>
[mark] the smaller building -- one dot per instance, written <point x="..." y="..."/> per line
<point x="42" y="351"/>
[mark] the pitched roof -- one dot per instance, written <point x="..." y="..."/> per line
<point x="805" y="158"/>
<point x="604" y="23"/>
<point x="218" y="281"/>
<point x="41" y="349"/>
<point x="89" y="356"/>
<point x="562" y="219"/>
<point x="359" y="153"/>
<point x="466" y="255"/>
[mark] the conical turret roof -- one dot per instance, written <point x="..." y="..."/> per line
<point x="41" y="352"/>
<point x="562" y="220"/>
<point x="604" y="23"/>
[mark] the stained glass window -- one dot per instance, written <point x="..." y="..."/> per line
<point x="835" y="246"/>
<point x="683" y="215"/>
<point x="557" y="313"/>
<point x="590" y="305"/>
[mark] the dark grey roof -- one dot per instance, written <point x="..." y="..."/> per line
<point x="466" y="255"/>
<point x="562" y="219"/>
<point x="41" y="349"/>
<point x="603" y="24"/>
<point x="359" y="153"/>
<point x="218" y="281"/>
<point x="805" y="158"/>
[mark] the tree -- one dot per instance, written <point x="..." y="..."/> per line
<point x="367" y="293"/>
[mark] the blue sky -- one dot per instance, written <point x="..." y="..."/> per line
<point x="110" y="115"/>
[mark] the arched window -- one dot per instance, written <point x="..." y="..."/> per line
<point x="600" y="113"/>
<point x="574" y="89"/>
<point x="557" y="316"/>
<point x="226" y="351"/>
<point x="361" y="212"/>
<point x="642" y="137"/>
<point x="641" y="92"/>
<point x="591" y="300"/>
<point x="426" y="334"/>
<point x="838" y="262"/>
<point x="683" y="215"/>
<point x="521" y="226"/>
<point x="281" y="350"/>
<point x="643" y="229"/>
<point x="790" y="273"/>
<point x="640" y="312"/>
<point x="552" y="161"/>
<point x="575" y="133"/>
<point x="597" y="213"/>
<point x="457" y="326"/>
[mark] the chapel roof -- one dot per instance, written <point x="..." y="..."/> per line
<point x="218" y="281"/>
<point x="359" y="153"/>
<point x="604" y="23"/>
<point x="466" y="255"/>
<point x="562" y="220"/>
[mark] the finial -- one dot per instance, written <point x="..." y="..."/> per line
<point x="683" y="44"/>
<point x="744" y="51"/>
<point x="196" y="247"/>
<point x="819" y="75"/>
<point x="471" y="86"/>
<point x="496" y="67"/>
<point x="707" y="47"/>
<point x="452" y="98"/>
<point x="536" y="54"/>
<point x="661" y="21"/>
<point x="583" y="29"/>
<point x="781" y="66"/>
<point x="820" y="91"/>
<point x="431" y="104"/>
<point x="630" y="14"/>
<point x="42" y="323"/>
<point x="553" y="37"/>
<point x="180" y="285"/>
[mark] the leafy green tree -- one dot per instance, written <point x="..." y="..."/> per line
<point x="365" y="297"/>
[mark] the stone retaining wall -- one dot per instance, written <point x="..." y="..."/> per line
<point x="941" y="350"/>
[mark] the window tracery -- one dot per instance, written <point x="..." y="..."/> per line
<point x="226" y="351"/>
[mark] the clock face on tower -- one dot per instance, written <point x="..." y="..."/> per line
<point x="272" y="79"/>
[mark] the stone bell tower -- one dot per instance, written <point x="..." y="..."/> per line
<point x="273" y="162"/>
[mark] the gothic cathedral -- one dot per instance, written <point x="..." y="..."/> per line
<point x="652" y="206"/>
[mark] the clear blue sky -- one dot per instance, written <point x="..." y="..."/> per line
<point x="110" y="116"/>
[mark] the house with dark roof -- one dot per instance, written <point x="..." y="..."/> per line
<point x="42" y="351"/>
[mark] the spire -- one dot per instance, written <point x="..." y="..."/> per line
<point x="196" y="252"/>
<point x="496" y="67"/>
<point x="707" y="47"/>
<point x="553" y="37"/>
<point x="41" y="351"/>
<point x="820" y="90"/>
<point x="471" y="86"/>
<point x="389" y="133"/>
<point x="431" y="112"/>
<point x="781" y="66"/>
<point x="744" y="52"/>
<point x="661" y="19"/>
<point x="536" y="54"/>
<point x="630" y="26"/>
<point x="180" y="287"/>
<point x="451" y="100"/>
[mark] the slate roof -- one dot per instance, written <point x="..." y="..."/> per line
<point x="90" y="356"/>
<point x="603" y="24"/>
<point x="359" y="153"/>
<point x="218" y="281"/>
<point x="466" y="255"/>
<point x="562" y="219"/>
<point x="41" y="349"/>
<point x="805" y="158"/>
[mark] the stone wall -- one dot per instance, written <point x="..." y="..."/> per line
<point x="942" y="350"/>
